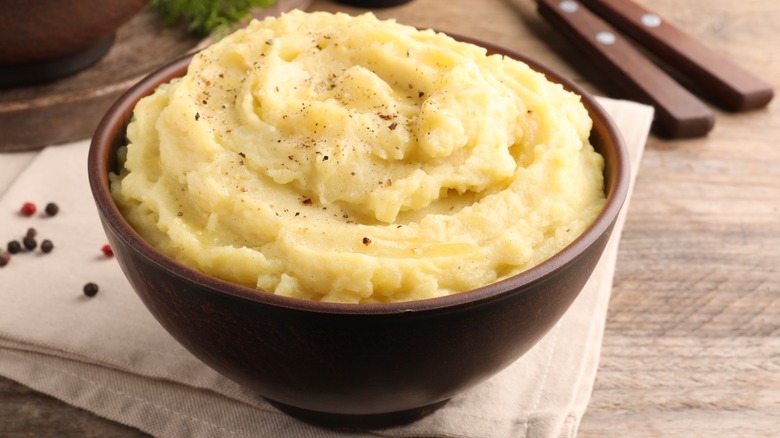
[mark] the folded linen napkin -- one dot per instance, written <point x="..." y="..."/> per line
<point x="108" y="355"/>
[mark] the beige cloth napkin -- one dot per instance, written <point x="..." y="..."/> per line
<point x="108" y="355"/>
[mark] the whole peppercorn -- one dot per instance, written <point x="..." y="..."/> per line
<point x="4" y="259"/>
<point x="31" y="232"/>
<point x="28" y="209"/>
<point x="90" y="289"/>
<point x="29" y="242"/>
<point x="14" y="246"/>
<point x="52" y="209"/>
<point x="47" y="246"/>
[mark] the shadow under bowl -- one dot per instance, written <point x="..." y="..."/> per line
<point x="346" y="365"/>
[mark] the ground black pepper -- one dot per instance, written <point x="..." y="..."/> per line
<point x="90" y="289"/>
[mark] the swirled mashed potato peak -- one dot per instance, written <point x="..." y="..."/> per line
<point x="338" y="158"/>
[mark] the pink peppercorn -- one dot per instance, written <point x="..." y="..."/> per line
<point x="28" y="209"/>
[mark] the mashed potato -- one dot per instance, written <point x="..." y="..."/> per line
<point x="346" y="159"/>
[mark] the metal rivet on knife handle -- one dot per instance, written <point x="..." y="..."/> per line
<point x="678" y="113"/>
<point x="651" y="20"/>
<point x="729" y="85"/>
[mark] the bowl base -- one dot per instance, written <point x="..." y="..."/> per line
<point x="357" y="423"/>
<point x="17" y="75"/>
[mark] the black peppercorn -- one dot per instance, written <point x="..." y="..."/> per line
<point x="29" y="242"/>
<point x="14" y="246"/>
<point x="4" y="259"/>
<point x="90" y="289"/>
<point x="32" y="232"/>
<point x="47" y="246"/>
<point x="52" y="209"/>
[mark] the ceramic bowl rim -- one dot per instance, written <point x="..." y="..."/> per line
<point x="114" y="123"/>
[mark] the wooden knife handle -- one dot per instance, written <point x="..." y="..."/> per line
<point x="730" y="86"/>
<point x="678" y="113"/>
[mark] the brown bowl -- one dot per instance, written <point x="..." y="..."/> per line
<point x="42" y="40"/>
<point x="346" y="364"/>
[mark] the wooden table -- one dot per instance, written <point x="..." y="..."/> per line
<point x="692" y="343"/>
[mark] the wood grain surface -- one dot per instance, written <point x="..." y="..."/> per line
<point x="692" y="342"/>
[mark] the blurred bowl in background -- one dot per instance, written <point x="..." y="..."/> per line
<point x="42" y="40"/>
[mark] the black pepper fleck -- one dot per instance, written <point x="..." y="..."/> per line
<point x="197" y="116"/>
<point x="366" y="241"/>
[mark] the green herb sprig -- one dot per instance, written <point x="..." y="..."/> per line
<point x="206" y="17"/>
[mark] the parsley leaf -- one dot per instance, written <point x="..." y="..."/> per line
<point x="204" y="17"/>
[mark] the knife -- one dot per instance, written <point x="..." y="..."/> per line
<point x="678" y="112"/>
